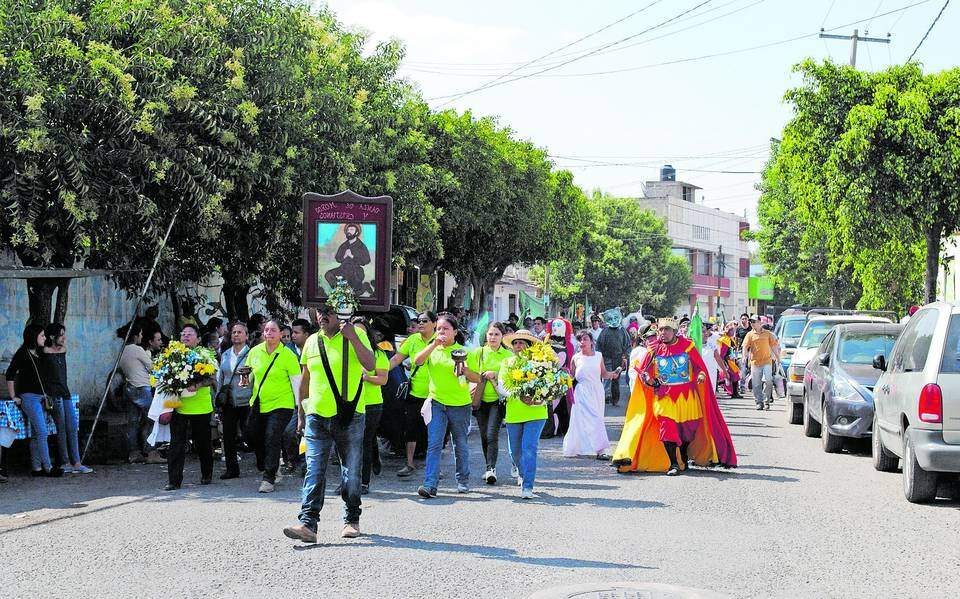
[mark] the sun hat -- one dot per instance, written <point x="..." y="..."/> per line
<point x="521" y="335"/>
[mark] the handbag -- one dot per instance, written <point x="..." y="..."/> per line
<point x="477" y="389"/>
<point x="225" y="394"/>
<point x="403" y="389"/>
<point x="45" y="400"/>
<point x="345" y="409"/>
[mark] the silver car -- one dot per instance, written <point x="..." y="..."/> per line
<point x="917" y="402"/>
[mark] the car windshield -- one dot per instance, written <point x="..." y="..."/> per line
<point x="860" y="348"/>
<point x="793" y="327"/>
<point x="815" y="332"/>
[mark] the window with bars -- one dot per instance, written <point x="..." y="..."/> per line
<point x="701" y="232"/>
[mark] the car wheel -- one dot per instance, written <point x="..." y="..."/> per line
<point x="883" y="459"/>
<point x="831" y="443"/>
<point x="919" y="486"/>
<point x="811" y="427"/>
<point x="794" y="411"/>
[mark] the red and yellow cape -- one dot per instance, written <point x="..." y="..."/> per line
<point x="640" y="440"/>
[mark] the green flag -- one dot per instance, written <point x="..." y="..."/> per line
<point x="696" y="328"/>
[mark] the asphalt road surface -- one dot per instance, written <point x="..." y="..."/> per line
<point x="791" y="521"/>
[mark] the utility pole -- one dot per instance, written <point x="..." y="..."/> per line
<point x="720" y="264"/>
<point x="854" y="39"/>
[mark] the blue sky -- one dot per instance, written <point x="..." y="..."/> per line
<point x="707" y="114"/>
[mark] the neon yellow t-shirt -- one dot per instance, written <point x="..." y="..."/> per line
<point x="372" y="395"/>
<point x="445" y="386"/>
<point x="483" y="359"/>
<point x="321" y="401"/>
<point x="199" y="403"/>
<point x="419" y="384"/>
<point x="517" y="411"/>
<point x="275" y="392"/>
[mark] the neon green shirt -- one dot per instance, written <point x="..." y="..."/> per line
<point x="372" y="395"/>
<point x="445" y="386"/>
<point x="420" y="384"/>
<point x="517" y="411"/>
<point x="199" y="403"/>
<point x="276" y="392"/>
<point x="320" y="400"/>
<point x="483" y="359"/>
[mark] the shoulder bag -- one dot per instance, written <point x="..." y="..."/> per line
<point x="46" y="401"/>
<point x="403" y="389"/>
<point x="225" y="394"/>
<point x="345" y="409"/>
<point x="476" y="392"/>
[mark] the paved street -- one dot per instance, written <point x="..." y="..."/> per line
<point x="791" y="521"/>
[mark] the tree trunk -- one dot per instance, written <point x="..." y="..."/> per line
<point x="40" y="300"/>
<point x="931" y="270"/>
<point x="177" y="309"/>
<point x="63" y="297"/>
<point x="235" y="299"/>
<point x="456" y="297"/>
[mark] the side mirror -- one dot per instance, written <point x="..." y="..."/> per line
<point x="880" y="362"/>
<point x="824" y="359"/>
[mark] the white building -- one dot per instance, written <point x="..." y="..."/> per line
<point x="710" y="239"/>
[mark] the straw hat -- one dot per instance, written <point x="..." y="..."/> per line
<point x="521" y="335"/>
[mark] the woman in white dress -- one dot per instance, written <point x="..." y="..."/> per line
<point x="711" y="353"/>
<point x="587" y="434"/>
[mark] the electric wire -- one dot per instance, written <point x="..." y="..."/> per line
<point x="929" y="29"/>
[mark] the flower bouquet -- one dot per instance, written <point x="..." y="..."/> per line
<point x="536" y="378"/>
<point x="343" y="299"/>
<point x="179" y="367"/>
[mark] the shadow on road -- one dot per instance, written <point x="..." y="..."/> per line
<point x="484" y="552"/>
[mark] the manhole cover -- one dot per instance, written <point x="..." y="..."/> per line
<point x="624" y="590"/>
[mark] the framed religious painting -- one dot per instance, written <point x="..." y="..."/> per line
<point x="347" y="238"/>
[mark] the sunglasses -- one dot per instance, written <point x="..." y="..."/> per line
<point x="424" y="320"/>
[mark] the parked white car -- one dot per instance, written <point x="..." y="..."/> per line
<point x="917" y="402"/>
<point x="813" y="333"/>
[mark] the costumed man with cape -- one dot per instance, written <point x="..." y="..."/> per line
<point x="673" y="415"/>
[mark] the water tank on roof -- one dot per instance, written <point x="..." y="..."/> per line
<point x="668" y="173"/>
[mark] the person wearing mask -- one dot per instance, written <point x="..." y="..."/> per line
<point x="372" y="398"/>
<point x="64" y="414"/>
<point x="299" y="332"/>
<point x="191" y="420"/>
<point x="27" y="378"/>
<point x="525" y="420"/>
<point x="450" y="401"/>
<point x="486" y="361"/>
<point x="413" y="427"/>
<point x="614" y="345"/>
<point x="232" y="398"/>
<point x="761" y="349"/>
<point x="332" y="415"/>
<point x="136" y="366"/>
<point x="275" y="380"/>
<point x="587" y="434"/>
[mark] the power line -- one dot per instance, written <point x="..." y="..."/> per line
<point x="929" y="29"/>
<point x="571" y="60"/>
<point x="827" y="16"/>
<point x="870" y="22"/>
<point x="573" y="43"/>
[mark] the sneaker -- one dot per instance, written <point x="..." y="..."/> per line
<point x="171" y="487"/>
<point x="526" y="494"/>
<point x="759" y="407"/>
<point x="351" y="530"/>
<point x="673" y="471"/>
<point x="135" y="457"/>
<point x="515" y="472"/>
<point x="266" y="487"/>
<point x="154" y="457"/>
<point x="300" y="533"/>
<point x="68" y="469"/>
<point x="490" y="476"/>
<point x="462" y="488"/>
<point x="520" y="481"/>
<point x="81" y="469"/>
<point x="406" y="471"/>
<point x="426" y="493"/>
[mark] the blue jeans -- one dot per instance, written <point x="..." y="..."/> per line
<point x="524" y="440"/>
<point x="140" y="399"/>
<point x="32" y="406"/>
<point x="321" y="434"/>
<point x="458" y="417"/>
<point x="758" y="376"/>
<point x="68" y="429"/>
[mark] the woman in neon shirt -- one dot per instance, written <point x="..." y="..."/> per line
<point x="486" y="361"/>
<point x="372" y="398"/>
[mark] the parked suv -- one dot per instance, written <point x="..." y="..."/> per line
<point x="788" y="331"/>
<point x="839" y="380"/>
<point x="917" y="402"/>
<point x="815" y="330"/>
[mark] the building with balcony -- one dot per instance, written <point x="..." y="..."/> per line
<point x="710" y="239"/>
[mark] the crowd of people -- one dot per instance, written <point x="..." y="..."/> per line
<point x="297" y="394"/>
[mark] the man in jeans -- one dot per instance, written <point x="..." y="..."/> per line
<point x="761" y="348"/>
<point x="136" y="365"/>
<point x="331" y="415"/>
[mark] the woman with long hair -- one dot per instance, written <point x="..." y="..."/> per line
<point x="64" y="414"/>
<point x="449" y="397"/>
<point x="588" y="433"/>
<point x="729" y="363"/>
<point x="27" y="378"/>
<point x="486" y="361"/>
<point x="372" y="398"/>
<point x="413" y="428"/>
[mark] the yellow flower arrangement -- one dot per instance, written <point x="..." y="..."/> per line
<point x="536" y="375"/>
